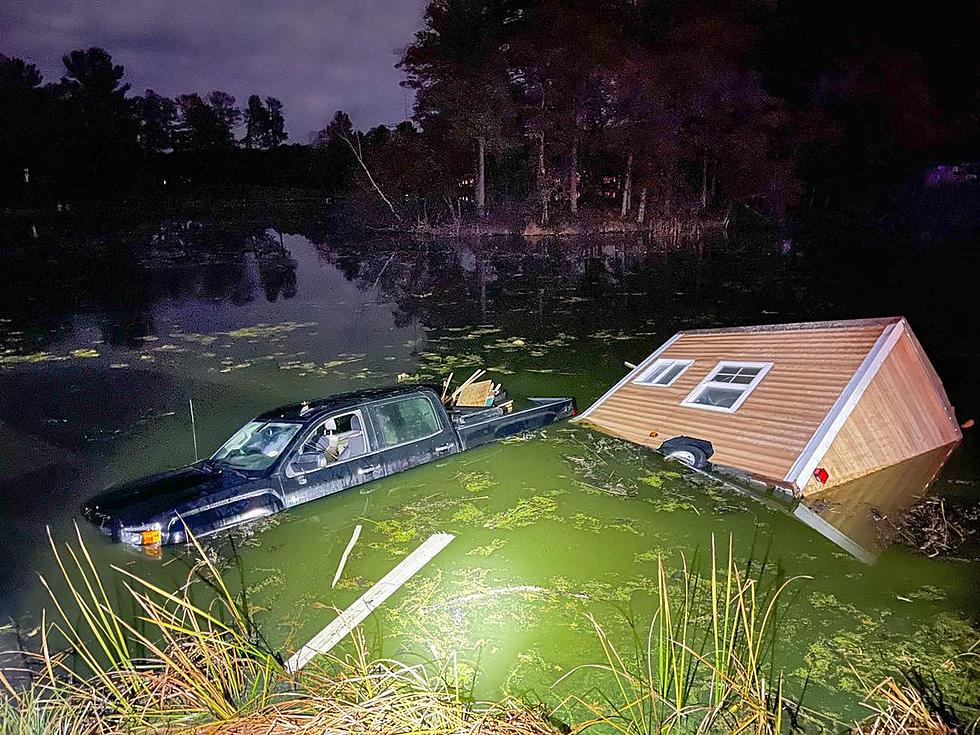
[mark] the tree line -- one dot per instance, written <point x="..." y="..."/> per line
<point x="546" y="109"/>
<point x="676" y="107"/>
<point x="84" y="132"/>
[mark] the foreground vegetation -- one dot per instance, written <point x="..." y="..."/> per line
<point x="193" y="660"/>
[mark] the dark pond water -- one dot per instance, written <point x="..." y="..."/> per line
<point x="106" y="332"/>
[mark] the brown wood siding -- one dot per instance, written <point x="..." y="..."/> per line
<point x="767" y="433"/>
<point x="855" y="508"/>
<point x="902" y="413"/>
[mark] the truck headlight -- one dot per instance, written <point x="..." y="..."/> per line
<point x="147" y="535"/>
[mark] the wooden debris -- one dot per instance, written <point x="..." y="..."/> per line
<point x="445" y="387"/>
<point x="475" y="394"/>
<point x="475" y="376"/>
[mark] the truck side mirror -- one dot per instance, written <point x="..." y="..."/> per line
<point x="303" y="463"/>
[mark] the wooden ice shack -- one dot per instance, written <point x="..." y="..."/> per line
<point x="802" y="406"/>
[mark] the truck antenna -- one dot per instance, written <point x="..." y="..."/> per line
<point x="190" y="402"/>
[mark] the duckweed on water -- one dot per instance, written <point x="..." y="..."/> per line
<point x="650" y="555"/>
<point x="583" y="522"/>
<point x="527" y="512"/>
<point x="476" y="482"/>
<point x="469" y="514"/>
<point x="196" y="338"/>
<point x="848" y="659"/>
<point x="488" y="549"/>
<point x="85" y="353"/>
<point x="396" y="532"/>
<point x="352" y="583"/>
<point x="267" y="331"/>
<point x="271" y="579"/>
<point x="9" y="358"/>
<point x="417" y="520"/>
<point x="657" y="479"/>
<point x="671" y="505"/>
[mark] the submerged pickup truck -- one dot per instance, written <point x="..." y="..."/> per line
<point x="303" y="452"/>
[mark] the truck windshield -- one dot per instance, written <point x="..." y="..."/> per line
<point x="256" y="445"/>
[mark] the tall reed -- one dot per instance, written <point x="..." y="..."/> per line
<point x="177" y="661"/>
<point x="688" y="678"/>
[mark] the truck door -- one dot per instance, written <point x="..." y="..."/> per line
<point x="413" y="430"/>
<point x="336" y="453"/>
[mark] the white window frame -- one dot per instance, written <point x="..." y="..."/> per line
<point x="297" y="448"/>
<point x="709" y="383"/>
<point x="670" y="362"/>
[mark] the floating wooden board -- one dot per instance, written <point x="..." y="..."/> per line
<point x="353" y="616"/>
<point x="475" y="394"/>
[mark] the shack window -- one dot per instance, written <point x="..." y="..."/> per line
<point x="406" y="420"/>
<point x="663" y="372"/>
<point x="727" y="386"/>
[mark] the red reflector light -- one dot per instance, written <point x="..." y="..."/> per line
<point x="821" y="474"/>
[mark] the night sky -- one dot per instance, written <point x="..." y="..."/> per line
<point x="317" y="56"/>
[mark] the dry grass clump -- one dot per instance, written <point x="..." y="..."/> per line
<point x="359" y="694"/>
<point x="901" y="708"/>
<point x="935" y="529"/>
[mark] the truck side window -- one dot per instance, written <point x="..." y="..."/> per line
<point x="406" y="420"/>
<point x="338" y="438"/>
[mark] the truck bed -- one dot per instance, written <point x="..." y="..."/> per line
<point x="479" y="427"/>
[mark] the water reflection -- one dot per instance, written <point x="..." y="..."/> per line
<point x="536" y="286"/>
<point x="118" y="276"/>
<point x="865" y="515"/>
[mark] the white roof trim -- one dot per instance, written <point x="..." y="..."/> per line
<point x="629" y="376"/>
<point x="799" y="474"/>
<point x="828" y="530"/>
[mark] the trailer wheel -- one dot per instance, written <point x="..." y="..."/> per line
<point x="691" y="456"/>
<point x="687" y="450"/>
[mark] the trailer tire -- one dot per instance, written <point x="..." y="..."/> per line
<point x="691" y="456"/>
<point x="692" y="452"/>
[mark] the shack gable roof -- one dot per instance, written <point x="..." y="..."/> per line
<point x="877" y="322"/>
<point x="816" y="366"/>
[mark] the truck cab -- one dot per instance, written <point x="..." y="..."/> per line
<point x="304" y="452"/>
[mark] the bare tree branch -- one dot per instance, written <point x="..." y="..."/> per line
<point x="360" y="159"/>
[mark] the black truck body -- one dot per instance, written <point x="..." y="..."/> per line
<point x="312" y="450"/>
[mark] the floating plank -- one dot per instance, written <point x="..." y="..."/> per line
<point x="353" y="616"/>
<point x="343" y="559"/>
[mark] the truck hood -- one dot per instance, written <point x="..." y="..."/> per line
<point x="150" y="498"/>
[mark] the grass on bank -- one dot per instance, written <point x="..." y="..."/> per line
<point x="192" y="660"/>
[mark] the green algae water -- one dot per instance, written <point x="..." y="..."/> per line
<point x="105" y="337"/>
